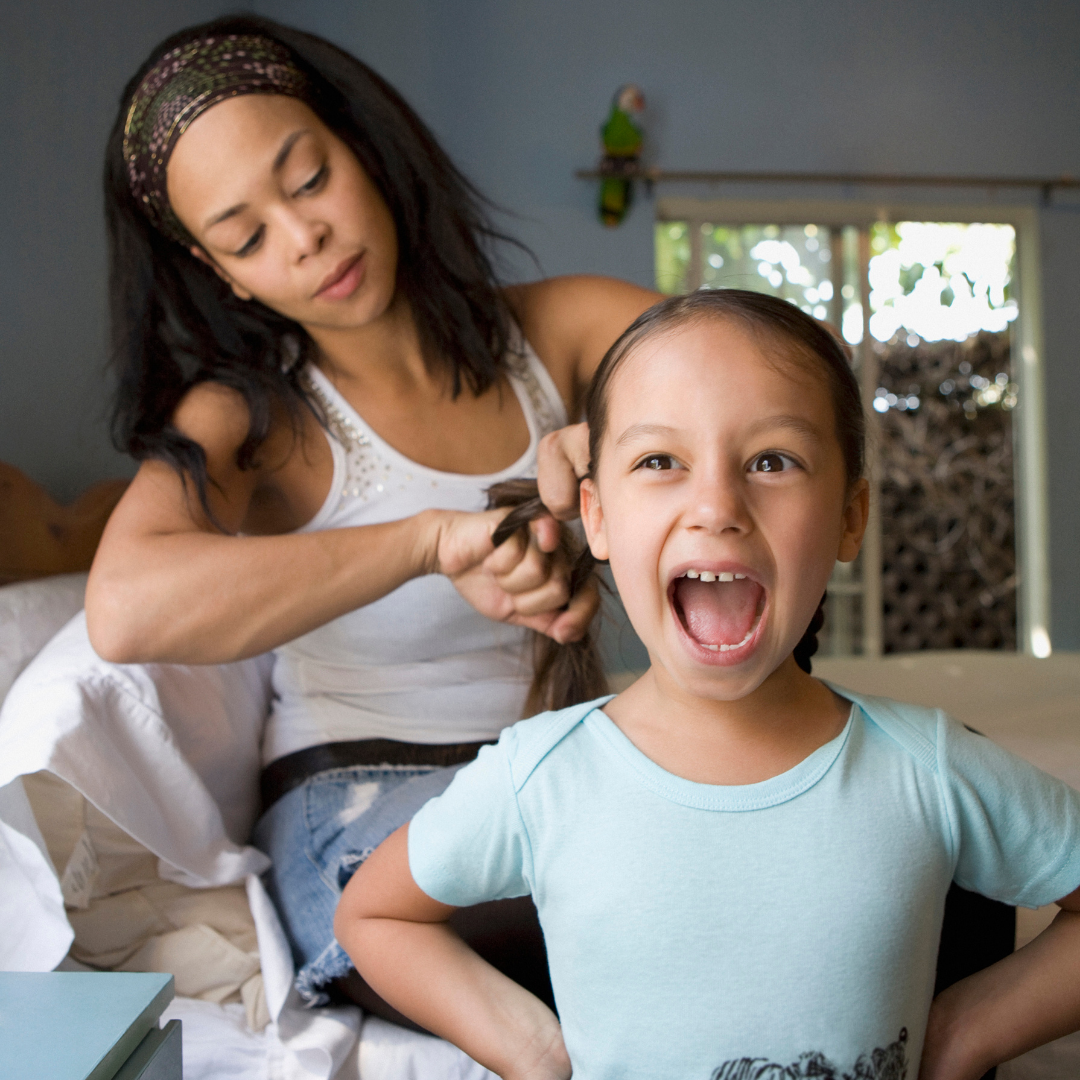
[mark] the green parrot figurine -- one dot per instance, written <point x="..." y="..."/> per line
<point x="622" y="139"/>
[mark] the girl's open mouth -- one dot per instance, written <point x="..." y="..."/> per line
<point x="720" y="610"/>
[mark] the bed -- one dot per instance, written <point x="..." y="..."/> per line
<point x="127" y="793"/>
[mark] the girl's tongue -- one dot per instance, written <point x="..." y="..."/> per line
<point x="718" y="612"/>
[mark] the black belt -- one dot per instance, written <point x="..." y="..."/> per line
<point x="285" y="773"/>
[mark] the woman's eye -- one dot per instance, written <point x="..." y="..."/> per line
<point x="315" y="182"/>
<point x="771" y="462"/>
<point x="658" y="462"/>
<point x="253" y="242"/>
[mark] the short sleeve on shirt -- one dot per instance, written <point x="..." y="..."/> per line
<point x="469" y="845"/>
<point x="1017" y="829"/>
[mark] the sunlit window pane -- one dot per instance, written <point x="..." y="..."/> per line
<point x="940" y="281"/>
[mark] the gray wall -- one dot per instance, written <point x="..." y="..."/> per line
<point x="516" y="91"/>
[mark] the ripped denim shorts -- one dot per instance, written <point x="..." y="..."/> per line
<point x="317" y="835"/>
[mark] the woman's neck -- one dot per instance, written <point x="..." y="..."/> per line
<point x="745" y="741"/>
<point x="385" y="353"/>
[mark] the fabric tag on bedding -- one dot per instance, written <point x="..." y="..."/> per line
<point x="77" y="882"/>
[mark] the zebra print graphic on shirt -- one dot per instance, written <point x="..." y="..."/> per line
<point x="888" y="1063"/>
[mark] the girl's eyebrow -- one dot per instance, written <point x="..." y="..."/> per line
<point x="637" y="431"/>
<point x="797" y="424"/>
<point x="279" y="161"/>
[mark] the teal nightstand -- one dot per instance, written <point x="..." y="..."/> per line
<point x="66" y="1025"/>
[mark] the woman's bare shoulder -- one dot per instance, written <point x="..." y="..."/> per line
<point x="215" y="416"/>
<point x="571" y="321"/>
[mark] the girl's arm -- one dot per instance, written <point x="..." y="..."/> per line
<point x="571" y="322"/>
<point x="398" y="939"/>
<point x="167" y="586"/>
<point x="1023" y="1001"/>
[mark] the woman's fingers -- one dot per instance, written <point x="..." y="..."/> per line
<point x="518" y="582"/>
<point x="570" y="624"/>
<point x="536" y="582"/>
<point x="562" y="460"/>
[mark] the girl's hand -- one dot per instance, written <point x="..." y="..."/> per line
<point x="519" y="582"/>
<point x="562" y="460"/>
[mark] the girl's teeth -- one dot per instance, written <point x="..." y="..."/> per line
<point x="728" y="648"/>
<point x="705" y="575"/>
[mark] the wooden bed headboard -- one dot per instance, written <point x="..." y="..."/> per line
<point x="39" y="537"/>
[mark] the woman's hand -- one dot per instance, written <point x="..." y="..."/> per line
<point x="562" y="461"/>
<point x="520" y="582"/>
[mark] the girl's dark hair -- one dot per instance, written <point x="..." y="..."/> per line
<point x="789" y="335"/>
<point x="176" y="324"/>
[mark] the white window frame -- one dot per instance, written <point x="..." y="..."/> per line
<point x="1029" y="418"/>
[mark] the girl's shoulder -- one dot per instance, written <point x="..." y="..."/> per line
<point x="528" y="742"/>
<point x="916" y="729"/>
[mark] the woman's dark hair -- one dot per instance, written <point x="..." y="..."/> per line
<point x="176" y="324"/>
<point x="788" y="335"/>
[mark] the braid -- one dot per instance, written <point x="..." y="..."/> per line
<point x="808" y="644"/>
<point x="563" y="675"/>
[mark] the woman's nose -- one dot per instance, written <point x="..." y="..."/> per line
<point x="306" y="235"/>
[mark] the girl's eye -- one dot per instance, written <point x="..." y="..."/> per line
<point x="252" y="244"/>
<point x="657" y="462"/>
<point x="772" y="462"/>
<point x="315" y="182"/>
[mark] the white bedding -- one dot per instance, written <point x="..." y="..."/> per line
<point x="170" y="754"/>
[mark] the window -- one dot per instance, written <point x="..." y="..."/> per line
<point x="931" y="311"/>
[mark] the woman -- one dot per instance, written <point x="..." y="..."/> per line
<point x="321" y="378"/>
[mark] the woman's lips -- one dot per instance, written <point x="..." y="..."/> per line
<point x="344" y="280"/>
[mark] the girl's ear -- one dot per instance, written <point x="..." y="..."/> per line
<point x="592" y="517"/>
<point x="240" y="292"/>
<point x="856" y="515"/>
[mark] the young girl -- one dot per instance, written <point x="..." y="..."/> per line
<point x="740" y="871"/>
<point x="321" y="377"/>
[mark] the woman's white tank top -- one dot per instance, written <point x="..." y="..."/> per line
<point x="420" y="665"/>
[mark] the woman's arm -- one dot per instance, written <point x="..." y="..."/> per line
<point x="571" y="322"/>
<point x="167" y="586"/>
<point x="398" y="939"/>
<point x="1023" y="1001"/>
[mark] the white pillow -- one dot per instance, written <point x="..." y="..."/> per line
<point x="30" y="614"/>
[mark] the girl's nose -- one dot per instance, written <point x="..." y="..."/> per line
<point x="718" y="504"/>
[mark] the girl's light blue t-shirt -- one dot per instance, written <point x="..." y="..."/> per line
<point x="704" y="932"/>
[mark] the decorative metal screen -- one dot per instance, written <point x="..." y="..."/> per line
<point x="945" y="480"/>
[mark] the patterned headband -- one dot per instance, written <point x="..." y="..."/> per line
<point x="181" y="86"/>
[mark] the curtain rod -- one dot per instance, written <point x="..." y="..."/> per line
<point x="659" y="176"/>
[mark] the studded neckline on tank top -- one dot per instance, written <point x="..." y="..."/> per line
<point x="370" y="474"/>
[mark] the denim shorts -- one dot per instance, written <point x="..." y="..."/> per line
<point x="317" y="835"/>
